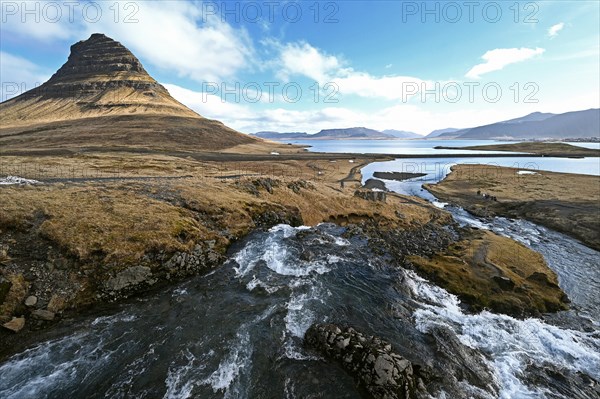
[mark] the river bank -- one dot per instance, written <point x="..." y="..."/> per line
<point x="70" y="246"/>
<point x="563" y="202"/>
<point x="559" y="150"/>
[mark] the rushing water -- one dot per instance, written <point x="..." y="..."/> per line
<point x="237" y="332"/>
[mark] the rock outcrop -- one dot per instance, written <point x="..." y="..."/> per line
<point x="369" y="195"/>
<point x="377" y="369"/>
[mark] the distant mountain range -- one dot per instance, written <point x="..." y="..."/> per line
<point x="439" y="132"/>
<point x="402" y="134"/>
<point x="353" y="133"/>
<point x="535" y="126"/>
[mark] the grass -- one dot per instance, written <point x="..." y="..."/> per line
<point x="107" y="226"/>
<point x="554" y="149"/>
<point x="568" y="203"/>
<point x="494" y="272"/>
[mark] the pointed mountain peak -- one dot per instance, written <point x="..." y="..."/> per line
<point x="99" y="55"/>
<point x="100" y="77"/>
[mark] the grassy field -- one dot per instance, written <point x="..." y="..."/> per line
<point x="538" y="148"/>
<point x="105" y="226"/>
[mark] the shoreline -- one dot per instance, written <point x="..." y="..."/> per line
<point x="516" y="196"/>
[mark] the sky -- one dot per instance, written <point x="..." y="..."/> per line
<point x="293" y="66"/>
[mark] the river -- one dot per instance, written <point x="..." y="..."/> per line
<point x="237" y="332"/>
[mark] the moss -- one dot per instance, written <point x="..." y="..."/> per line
<point x="489" y="271"/>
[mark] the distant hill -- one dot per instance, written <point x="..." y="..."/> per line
<point x="439" y="132"/>
<point x="353" y="133"/>
<point x="350" y="133"/>
<point x="533" y="117"/>
<point x="280" y="136"/>
<point x="535" y="126"/>
<point x="402" y="134"/>
<point x="103" y="97"/>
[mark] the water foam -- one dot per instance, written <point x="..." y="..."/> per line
<point x="511" y="344"/>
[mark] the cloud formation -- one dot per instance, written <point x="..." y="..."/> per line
<point x="173" y="36"/>
<point x="302" y="59"/>
<point x="554" y="29"/>
<point x="19" y="75"/>
<point x="497" y="59"/>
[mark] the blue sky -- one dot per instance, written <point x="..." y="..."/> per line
<point x="402" y="65"/>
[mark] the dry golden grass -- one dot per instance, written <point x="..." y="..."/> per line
<point x="472" y="268"/>
<point x="565" y="202"/>
<point x="122" y="220"/>
<point x="555" y="149"/>
<point x="116" y="223"/>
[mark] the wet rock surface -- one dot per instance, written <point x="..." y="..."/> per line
<point x="378" y="370"/>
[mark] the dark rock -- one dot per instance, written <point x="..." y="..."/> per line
<point x="371" y="195"/>
<point x="4" y="289"/>
<point x="378" y="371"/>
<point x="463" y="363"/>
<point x="298" y="185"/>
<point x="375" y="184"/>
<point x="129" y="277"/>
<point x="43" y="314"/>
<point x="399" y="176"/>
<point x="504" y="283"/>
<point x="541" y="278"/>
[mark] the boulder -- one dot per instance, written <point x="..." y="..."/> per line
<point x="15" y="325"/>
<point x="378" y="370"/>
<point x="376" y="196"/>
<point x="43" y="314"/>
<point x="31" y="301"/>
<point x="129" y="277"/>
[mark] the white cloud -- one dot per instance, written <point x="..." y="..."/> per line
<point x="209" y="105"/>
<point x="403" y="116"/>
<point x="42" y="20"/>
<point x="386" y="87"/>
<point x="19" y="75"/>
<point x="497" y="59"/>
<point x="306" y="60"/>
<point x="554" y="29"/>
<point x="173" y="35"/>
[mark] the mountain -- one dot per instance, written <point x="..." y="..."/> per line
<point x="535" y="126"/>
<point x="352" y="133"/>
<point x="402" y="134"/>
<point x="103" y="96"/>
<point x="280" y="136"/>
<point x="533" y="117"/>
<point x="578" y="124"/>
<point x="439" y="132"/>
